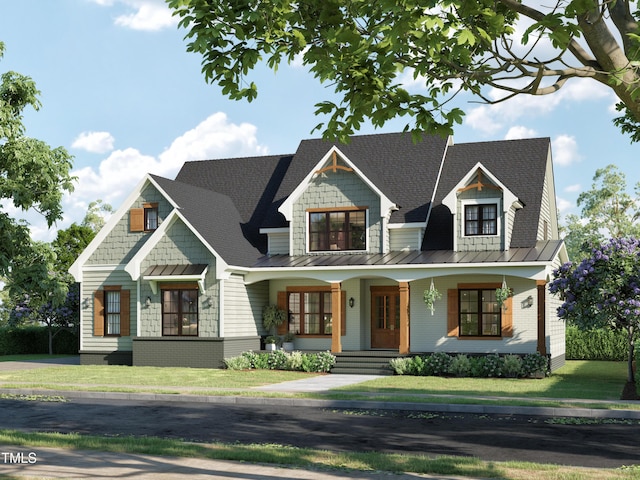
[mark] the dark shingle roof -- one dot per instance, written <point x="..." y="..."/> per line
<point x="215" y="217"/>
<point x="521" y="167"/>
<point x="229" y="200"/>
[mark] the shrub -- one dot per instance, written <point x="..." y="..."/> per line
<point x="401" y="365"/>
<point x="437" y="364"/>
<point x="511" y="366"/>
<point x="294" y="361"/>
<point x="596" y="344"/>
<point x="238" y="363"/>
<point x="417" y="366"/>
<point x="534" y="363"/>
<point x="325" y="361"/>
<point x="489" y="366"/>
<point x="277" y="360"/>
<point x="35" y="339"/>
<point x="460" y="366"/>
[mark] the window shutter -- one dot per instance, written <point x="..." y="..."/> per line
<point x="452" y="312"/>
<point x="136" y="220"/>
<point x="507" y="318"/>
<point x="125" y="323"/>
<point x="343" y="307"/>
<point x="98" y="313"/>
<point x="283" y="328"/>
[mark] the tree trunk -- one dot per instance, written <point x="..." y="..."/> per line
<point x="50" y="329"/>
<point x="630" y="391"/>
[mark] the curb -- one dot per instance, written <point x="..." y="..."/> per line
<point x="317" y="403"/>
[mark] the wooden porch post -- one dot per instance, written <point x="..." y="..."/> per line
<point x="542" y="317"/>
<point x="336" y="320"/>
<point x="404" y="318"/>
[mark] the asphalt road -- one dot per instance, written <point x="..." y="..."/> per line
<point x="489" y="437"/>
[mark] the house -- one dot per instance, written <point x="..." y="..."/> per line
<point x="347" y="238"/>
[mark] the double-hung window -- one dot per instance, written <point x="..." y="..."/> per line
<point x="481" y="219"/>
<point x="112" y="312"/>
<point x="337" y="230"/>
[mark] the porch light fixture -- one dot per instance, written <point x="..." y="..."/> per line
<point x="148" y="302"/>
<point x="527" y="302"/>
<point x="352" y="302"/>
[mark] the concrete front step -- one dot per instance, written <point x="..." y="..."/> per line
<point x="365" y="362"/>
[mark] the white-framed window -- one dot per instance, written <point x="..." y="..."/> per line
<point x="481" y="217"/>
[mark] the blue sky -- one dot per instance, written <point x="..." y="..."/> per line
<point x="122" y="95"/>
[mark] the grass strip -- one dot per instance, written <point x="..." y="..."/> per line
<point x="316" y="459"/>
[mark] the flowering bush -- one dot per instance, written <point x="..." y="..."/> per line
<point x="280" y="360"/>
<point x="604" y="291"/>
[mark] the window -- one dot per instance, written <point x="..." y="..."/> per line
<point x="479" y="313"/>
<point x="180" y="312"/>
<point x="144" y="219"/>
<point x="310" y="312"/>
<point x="481" y="219"/>
<point x="111" y="315"/>
<point x="151" y="218"/>
<point x="112" y="311"/>
<point x="337" y="230"/>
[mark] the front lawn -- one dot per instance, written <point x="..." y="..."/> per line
<point x="579" y="379"/>
<point x="122" y="378"/>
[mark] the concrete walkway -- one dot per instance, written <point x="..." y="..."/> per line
<point x="77" y="464"/>
<point x="319" y="384"/>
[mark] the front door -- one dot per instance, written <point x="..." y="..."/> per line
<point x="385" y="317"/>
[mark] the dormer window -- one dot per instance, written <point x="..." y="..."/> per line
<point x="337" y="230"/>
<point x="481" y="219"/>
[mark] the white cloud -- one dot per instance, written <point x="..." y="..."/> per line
<point x="488" y="119"/>
<point x="563" y="205"/>
<point x="565" y="150"/>
<point x="576" y="187"/>
<point x="145" y="15"/>
<point x="94" y="142"/>
<point x="518" y="132"/>
<point x="117" y="174"/>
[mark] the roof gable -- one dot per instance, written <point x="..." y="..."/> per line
<point x="333" y="160"/>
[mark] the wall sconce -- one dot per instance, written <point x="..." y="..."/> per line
<point x="206" y="302"/>
<point x="148" y="302"/>
<point x="85" y="303"/>
<point x="527" y="302"/>
<point x="352" y="302"/>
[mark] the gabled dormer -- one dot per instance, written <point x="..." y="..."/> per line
<point x="337" y="209"/>
<point x="483" y="211"/>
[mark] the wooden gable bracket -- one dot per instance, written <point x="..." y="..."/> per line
<point x="334" y="167"/>
<point x="478" y="185"/>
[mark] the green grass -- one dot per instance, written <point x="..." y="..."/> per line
<point x="588" y="380"/>
<point x="316" y="459"/>
<point x="175" y="379"/>
<point x="25" y="358"/>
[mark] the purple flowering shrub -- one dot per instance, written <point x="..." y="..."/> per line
<point x="603" y="291"/>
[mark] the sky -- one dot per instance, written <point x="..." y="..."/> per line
<point x="120" y="92"/>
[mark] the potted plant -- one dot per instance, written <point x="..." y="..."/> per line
<point x="502" y="293"/>
<point x="287" y="342"/>
<point x="272" y="318"/>
<point x="270" y="343"/>
<point x="430" y="297"/>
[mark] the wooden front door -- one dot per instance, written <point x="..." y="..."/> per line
<point x="385" y="317"/>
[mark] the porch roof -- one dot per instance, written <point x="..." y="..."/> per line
<point x="543" y="252"/>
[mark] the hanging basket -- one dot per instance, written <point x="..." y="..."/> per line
<point x="430" y="297"/>
<point x="503" y="293"/>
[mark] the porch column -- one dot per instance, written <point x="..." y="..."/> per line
<point x="336" y="320"/>
<point x="404" y="317"/>
<point x="541" y="286"/>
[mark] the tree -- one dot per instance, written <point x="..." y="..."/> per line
<point x="32" y="176"/>
<point x="608" y="211"/>
<point x="361" y="48"/>
<point x="603" y="291"/>
<point x="95" y="217"/>
<point x="69" y="244"/>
